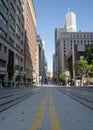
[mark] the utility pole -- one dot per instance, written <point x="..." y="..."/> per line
<point x="73" y="62"/>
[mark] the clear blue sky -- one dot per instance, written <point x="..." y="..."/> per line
<point x="51" y="14"/>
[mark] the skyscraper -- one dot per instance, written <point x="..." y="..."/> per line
<point x="41" y="59"/>
<point x="70" y="23"/>
<point x="30" y="41"/>
<point x="70" y="46"/>
<point x="11" y="39"/>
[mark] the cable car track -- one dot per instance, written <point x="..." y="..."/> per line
<point x="86" y="100"/>
<point x="10" y="100"/>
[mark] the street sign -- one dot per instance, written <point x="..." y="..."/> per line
<point x="67" y="73"/>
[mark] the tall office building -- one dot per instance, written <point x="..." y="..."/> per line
<point x="70" y="46"/>
<point x="11" y="39"/>
<point x="66" y="47"/>
<point x="38" y="59"/>
<point x="41" y="60"/>
<point x="30" y="41"/>
<point x="70" y="26"/>
<point x="70" y="23"/>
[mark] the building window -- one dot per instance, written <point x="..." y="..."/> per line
<point x="12" y="8"/>
<point x="81" y="42"/>
<point x="64" y="51"/>
<point x="18" y="10"/>
<point x="84" y="41"/>
<point x="11" y="41"/>
<point x="21" y="26"/>
<point x="2" y="19"/>
<point x="71" y="46"/>
<point x="77" y="35"/>
<point x="2" y="34"/>
<point x="3" y="6"/>
<point x="17" y="28"/>
<point x="0" y="46"/>
<point x="21" y="69"/>
<point x="12" y="19"/>
<point x="21" y="51"/>
<point x="18" y="38"/>
<point x="16" y="56"/>
<point x="74" y="41"/>
<point x="19" y="2"/>
<point x="18" y="18"/>
<point x="21" y="33"/>
<point x="91" y="36"/>
<point x="21" y="42"/>
<point x="21" y="60"/>
<point x="88" y="41"/>
<point x="17" y="47"/>
<point x="2" y="63"/>
<point x="5" y="50"/>
<point x="11" y="30"/>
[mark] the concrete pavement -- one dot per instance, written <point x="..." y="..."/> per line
<point x="49" y="109"/>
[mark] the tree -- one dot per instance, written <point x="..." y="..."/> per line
<point x="62" y="77"/>
<point x="81" y="69"/>
<point x="89" y="55"/>
<point x="89" y="71"/>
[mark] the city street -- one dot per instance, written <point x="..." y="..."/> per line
<point x="46" y="108"/>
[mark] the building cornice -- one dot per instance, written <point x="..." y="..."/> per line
<point x="33" y="12"/>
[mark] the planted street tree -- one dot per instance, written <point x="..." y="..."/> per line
<point x="62" y="78"/>
<point x="89" y="55"/>
<point x="81" y="69"/>
<point x="89" y="70"/>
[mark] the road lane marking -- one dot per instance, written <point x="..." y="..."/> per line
<point x="36" y="125"/>
<point x="55" y="125"/>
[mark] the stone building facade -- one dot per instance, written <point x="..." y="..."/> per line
<point x="11" y="39"/>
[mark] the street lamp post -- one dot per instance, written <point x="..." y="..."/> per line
<point x="73" y="62"/>
<point x="40" y="79"/>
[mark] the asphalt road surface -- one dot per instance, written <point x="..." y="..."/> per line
<point x="46" y="108"/>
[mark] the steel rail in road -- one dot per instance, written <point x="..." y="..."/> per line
<point x="83" y="96"/>
<point x="9" y="100"/>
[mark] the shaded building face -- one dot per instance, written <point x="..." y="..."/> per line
<point x="11" y="39"/>
<point x="30" y="41"/>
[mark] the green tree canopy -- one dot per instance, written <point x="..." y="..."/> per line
<point x="89" y="69"/>
<point x="89" y="55"/>
<point x="62" y="77"/>
<point x="81" y="67"/>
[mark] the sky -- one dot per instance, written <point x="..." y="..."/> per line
<point x="51" y="14"/>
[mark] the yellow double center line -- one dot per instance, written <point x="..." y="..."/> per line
<point x="55" y="125"/>
<point x="55" y="122"/>
<point x="39" y="116"/>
